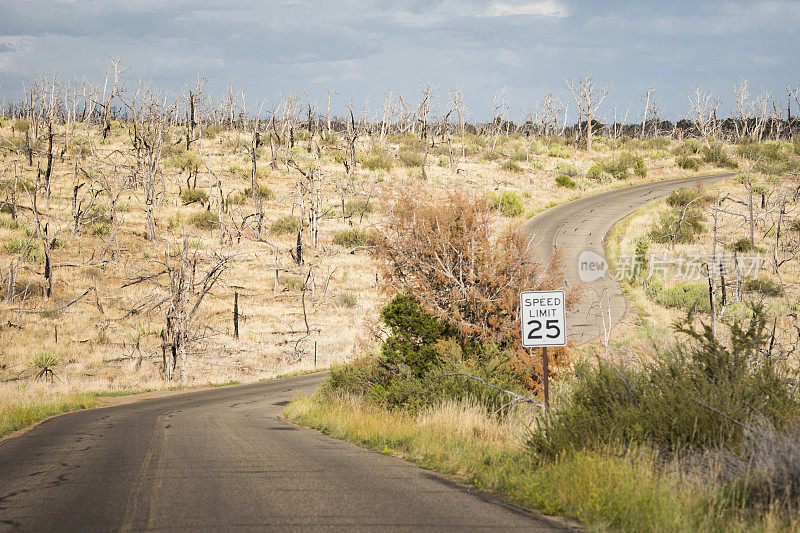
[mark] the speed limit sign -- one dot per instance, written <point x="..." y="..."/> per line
<point x="544" y="320"/>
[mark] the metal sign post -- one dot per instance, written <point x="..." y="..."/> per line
<point x="544" y="323"/>
<point x="546" y="377"/>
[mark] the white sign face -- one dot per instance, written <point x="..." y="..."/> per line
<point x="544" y="319"/>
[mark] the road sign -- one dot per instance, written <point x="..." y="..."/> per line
<point x="544" y="321"/>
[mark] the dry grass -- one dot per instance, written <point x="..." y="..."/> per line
<point x="613" y="491"/>
<point x="102" y="345"/>
<point x="18" y="411"/>
<point x="732" y="225"/>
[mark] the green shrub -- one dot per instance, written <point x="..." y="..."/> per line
<point x="618" y="168"/>
<point x="559" y="151"/>
<point x="688" y="148"/>
<point x="685" y="296"/>
<point x="596" y="173"/>
<point x="682" y="197"/>
<point x="490" y="155"/>
<point x="285" y="225"/>
<point x="409" y="157"/>
<point x="264" y="192"/>
<point x="205" y="220"/>
<point x="21" y="125"/>
<point x="565" y="181"/>
<point x="174" y="221"/>
<point x="641" y="261"/>
<point x="247" y="173"/>
<point x="657" y="154"/>
<point x="18" y="415"/>
<point x="626" y="160"/>
<point x="19" y="245"/>
<point x="187" y="161"/>
<point x="743" y="245"/>
<point x="294" y="283"/>
<point x="639" y="167"/>
<point x="211" y="131"/>
<point x="444" y="161"/>
<point x="44" y="360"/>
<point x="101" y="229"/>
<point x="770" y="157"/>
<point x="330" y="139"/>
<point x="519" y="155"/>
<point x="359" y="207"/>
<point x="15" y="245"/>
<point x="410" y="371"/>
<point x="511" y="166"/>
<point x="697" y="396"/>
<point x="569" y="170"/>
<point x="353" y="238"/>
<point x="377" y="160"/>
<point x="9" y="223"/>
<point x="764" y="286"/>
<point x="716" y="155"/>
<point x="680" y="228"/>
<point x="508" y="202"/>
<point x="347" y="300"/>
<point x="190" y="196"/>
<point x="20" y="185"/>
<point x="413" y="336"/>
<point x="656" y="143"/>
<point x="688" y="163"/>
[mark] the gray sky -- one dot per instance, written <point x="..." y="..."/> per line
<point x="361" y="48"/>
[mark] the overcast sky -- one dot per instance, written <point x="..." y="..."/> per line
<point x="361" y="48"/>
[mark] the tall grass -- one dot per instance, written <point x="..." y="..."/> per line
<point x="16" y="416"/>
<point x="610" y="489"/>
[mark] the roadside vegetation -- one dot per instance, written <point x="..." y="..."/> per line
<point x="697" y="432"/>
<point x="702" y="438"/>
<point x="15" y="416"/>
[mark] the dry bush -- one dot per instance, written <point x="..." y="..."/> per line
<point x="449" y="257"/>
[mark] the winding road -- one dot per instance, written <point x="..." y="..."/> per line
<point x="582" y="225"/>
<point x="224" y="459"/>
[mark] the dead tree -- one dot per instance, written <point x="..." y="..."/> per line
<point x="458" y="105"/>
<point x="703" y="113"/>
<point x="588" y="96"/>
<point x="423" y="115"/>
<point x="185" y="293"/>
<point x="149" y="125"/>
<point x="109" y="94"/>
<point x="550" y="109"/>
<point x="499" y="115"/>
<point x="647" y="96"/>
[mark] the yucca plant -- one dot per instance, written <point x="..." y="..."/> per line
<point x="45" y="362"/>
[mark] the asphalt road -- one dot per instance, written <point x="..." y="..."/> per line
<point x="582" y="225"/>
<point x="223" y="459"/>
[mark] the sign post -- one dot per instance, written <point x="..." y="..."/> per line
<point x="544" y="323"/>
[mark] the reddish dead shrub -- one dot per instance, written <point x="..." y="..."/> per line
<point x="465" y="271"/>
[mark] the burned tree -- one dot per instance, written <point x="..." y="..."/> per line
<point x="588" y="96"/>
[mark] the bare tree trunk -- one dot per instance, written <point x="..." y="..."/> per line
<point x="257" y="203"/>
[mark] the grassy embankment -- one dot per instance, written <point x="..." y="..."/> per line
<point x="16" y="416"/>
<point x="614" y="490"/>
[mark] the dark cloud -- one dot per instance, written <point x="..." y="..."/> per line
<point x="361" y="48"/>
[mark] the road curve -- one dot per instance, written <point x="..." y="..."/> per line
<point x="223" y="459"/>
<point x="583" y="224"/>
